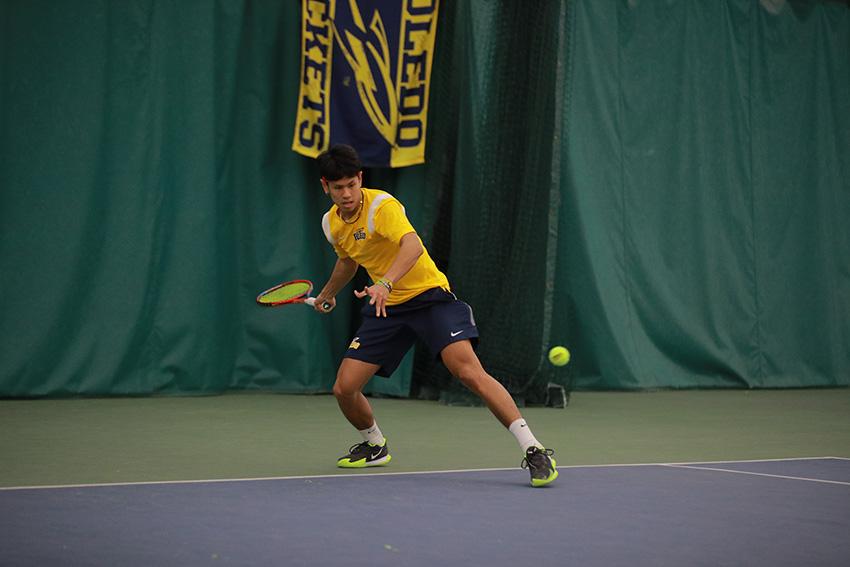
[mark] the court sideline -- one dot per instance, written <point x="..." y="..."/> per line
<point x="111" y="440"/>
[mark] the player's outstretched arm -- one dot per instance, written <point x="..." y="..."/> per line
<point x="344" y="270"/>
<point x="410" y="249"/>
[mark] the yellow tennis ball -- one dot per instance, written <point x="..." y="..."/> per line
<point x="559" y="356"/>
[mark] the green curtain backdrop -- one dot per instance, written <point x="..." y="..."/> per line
<point x="148" y="194"/>
<point x="662" y="186"/>
<point x="709" y="157"/>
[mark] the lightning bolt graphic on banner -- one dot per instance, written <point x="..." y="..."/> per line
<point x="357" y="57"/>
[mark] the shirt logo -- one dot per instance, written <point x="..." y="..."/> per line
<point x="359" y="235"/>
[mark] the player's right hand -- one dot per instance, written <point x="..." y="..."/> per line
<point x="321" y="300"/>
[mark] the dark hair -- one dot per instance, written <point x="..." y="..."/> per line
<point x="337" y="162"/>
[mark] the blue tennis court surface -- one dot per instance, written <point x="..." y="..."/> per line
<point x="787" y="512"/>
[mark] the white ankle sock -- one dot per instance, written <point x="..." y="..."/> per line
<point x="372" y="435"/>
<point x="523" y="434"/>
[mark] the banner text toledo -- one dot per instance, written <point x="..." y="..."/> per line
<point x="365" y="72"/>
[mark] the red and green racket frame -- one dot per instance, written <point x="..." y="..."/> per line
<point x="290" y="293"/>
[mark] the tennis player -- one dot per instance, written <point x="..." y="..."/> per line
<point x="409" y="299"/>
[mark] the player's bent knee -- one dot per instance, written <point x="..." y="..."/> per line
<point x="344" y="388"/>
<point x="470" y="378"/>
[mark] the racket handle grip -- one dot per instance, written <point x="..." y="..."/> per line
<point x="311" y="301"/>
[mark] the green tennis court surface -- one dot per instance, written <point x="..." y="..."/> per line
<point x="48" y="442"/>
<point x="664" y="478"/>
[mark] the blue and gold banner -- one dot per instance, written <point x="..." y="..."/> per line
<point x="365" y="72"/>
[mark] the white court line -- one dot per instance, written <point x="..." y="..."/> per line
<point x="693" y="465"/>
<point x="714" y="469"/>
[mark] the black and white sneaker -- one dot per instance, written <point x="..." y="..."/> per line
<point x="365" y="455"/>
<point x="541" y="466"/>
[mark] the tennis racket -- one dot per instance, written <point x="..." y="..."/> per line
<point x="297" y="291"/>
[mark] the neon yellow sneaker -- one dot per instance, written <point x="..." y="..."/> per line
<point x="541" y="466"/>
<point x="365" y="455"/>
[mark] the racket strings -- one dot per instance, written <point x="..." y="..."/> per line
<point x="287" y="292"/>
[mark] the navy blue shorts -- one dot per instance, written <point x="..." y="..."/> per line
<point x="435" y="316"/>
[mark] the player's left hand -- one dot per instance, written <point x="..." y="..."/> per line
<point x="378" y="295"/>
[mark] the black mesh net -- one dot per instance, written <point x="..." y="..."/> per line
<point x="494" y="219"/>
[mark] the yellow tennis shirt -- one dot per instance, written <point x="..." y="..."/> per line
<point x="373" y="241"/>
